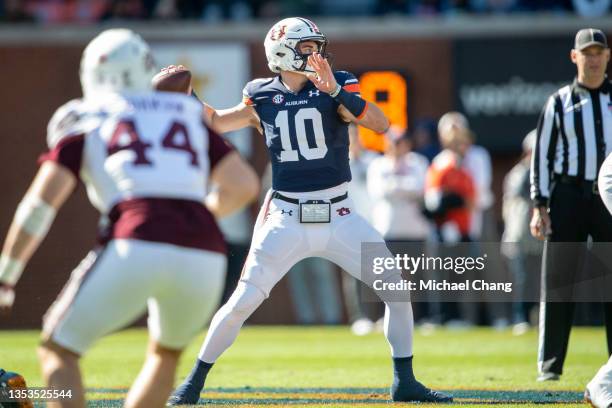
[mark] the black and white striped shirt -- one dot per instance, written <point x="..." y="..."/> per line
<point x="574" y="137"/>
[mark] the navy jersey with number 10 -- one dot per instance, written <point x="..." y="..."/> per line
<point x="307" y="139"/>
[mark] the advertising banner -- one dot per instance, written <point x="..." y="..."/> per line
<point x="501" y="84"/>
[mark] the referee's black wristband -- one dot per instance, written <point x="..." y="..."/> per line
<point x="540" y="201"/>
<point x="351" y="102"/>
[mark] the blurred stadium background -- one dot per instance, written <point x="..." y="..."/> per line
<point x="494" y="60"/>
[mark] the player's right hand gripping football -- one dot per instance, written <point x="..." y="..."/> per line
<point x="7" y="298"/>
<point x="173" y="68"/>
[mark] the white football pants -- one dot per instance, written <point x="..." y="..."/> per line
<point x="113" y="287"/>
<point x="279" y="242"/>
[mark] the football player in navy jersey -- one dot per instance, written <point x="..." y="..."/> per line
<point x="304" y="113"/>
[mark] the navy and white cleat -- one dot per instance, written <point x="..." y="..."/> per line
<point x="185" y="394"/>
<point x="414" y="391"/>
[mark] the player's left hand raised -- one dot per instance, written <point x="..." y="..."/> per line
<point x="324" y="79"/>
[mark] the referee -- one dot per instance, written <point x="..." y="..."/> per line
<point x="574" y="136"/>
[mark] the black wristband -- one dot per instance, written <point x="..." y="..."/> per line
<point x="352" y="103"/>
<point x="540" y="202"/>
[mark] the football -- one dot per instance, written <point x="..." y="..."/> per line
<point x="173" y="80"/>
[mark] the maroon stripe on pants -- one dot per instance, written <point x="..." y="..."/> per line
<point x="70" y="291"/>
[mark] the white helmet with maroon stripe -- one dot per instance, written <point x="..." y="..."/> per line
<point x="282" y="41"/>
<point x="116" y="60"/>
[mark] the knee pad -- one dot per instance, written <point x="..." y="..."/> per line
<point x="245" y="299"/>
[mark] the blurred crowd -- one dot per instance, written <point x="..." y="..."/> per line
<point x="91" y="11"/>
<point x="433" y="185"/>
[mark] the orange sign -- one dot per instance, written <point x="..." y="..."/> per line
<point x="388" y="90"/>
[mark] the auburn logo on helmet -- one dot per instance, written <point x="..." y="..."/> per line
<point x="278" y="32"/>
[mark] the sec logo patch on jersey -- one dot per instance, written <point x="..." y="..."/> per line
<point x="278" y="99"/>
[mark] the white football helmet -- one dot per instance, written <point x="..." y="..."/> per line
<point x="116" y="60"/>
<point x="282" y="41"/>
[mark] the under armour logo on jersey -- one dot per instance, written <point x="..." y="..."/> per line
<point x="343" y="211"/>
<point x="290" y="212"/>
<point x="316" y="92"/>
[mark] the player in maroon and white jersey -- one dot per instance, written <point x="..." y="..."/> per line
<point x="146" y="160"/>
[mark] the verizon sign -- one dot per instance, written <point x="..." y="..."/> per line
<point x="514" y="97"/>
<point x="501" y="84"/>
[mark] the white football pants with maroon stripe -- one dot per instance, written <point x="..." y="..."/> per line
<point x="279" y="242"/>
<point x="113" y="287"/>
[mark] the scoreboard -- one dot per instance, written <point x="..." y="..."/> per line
<point x="388" y="89"/>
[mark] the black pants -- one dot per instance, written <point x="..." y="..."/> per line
<point x="575" y="213"/>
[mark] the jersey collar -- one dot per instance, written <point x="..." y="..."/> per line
<point x="307" y="86"/>
<point x="604" y="88"/>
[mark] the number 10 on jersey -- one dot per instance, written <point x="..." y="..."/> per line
<point x="288" y="153"/>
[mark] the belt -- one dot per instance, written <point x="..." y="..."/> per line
<point x="578" y="181"/>
<point x="295" y="201"/>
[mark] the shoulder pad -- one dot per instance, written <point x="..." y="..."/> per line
<point x="64" y="122"/>
<point x="72" y="118"/>
<point x="348" y="81"/>
<point x="345" y="78"/>
<point x="251" y="88"/>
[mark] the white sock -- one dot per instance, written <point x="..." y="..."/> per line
<point x="228" y="320"/>
<point x="399" y="327"/>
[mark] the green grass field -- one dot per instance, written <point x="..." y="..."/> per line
<point x="328" y="366"/>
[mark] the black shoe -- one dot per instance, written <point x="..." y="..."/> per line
<point x="414" y="391"/>
<point x="185" y="394"/>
